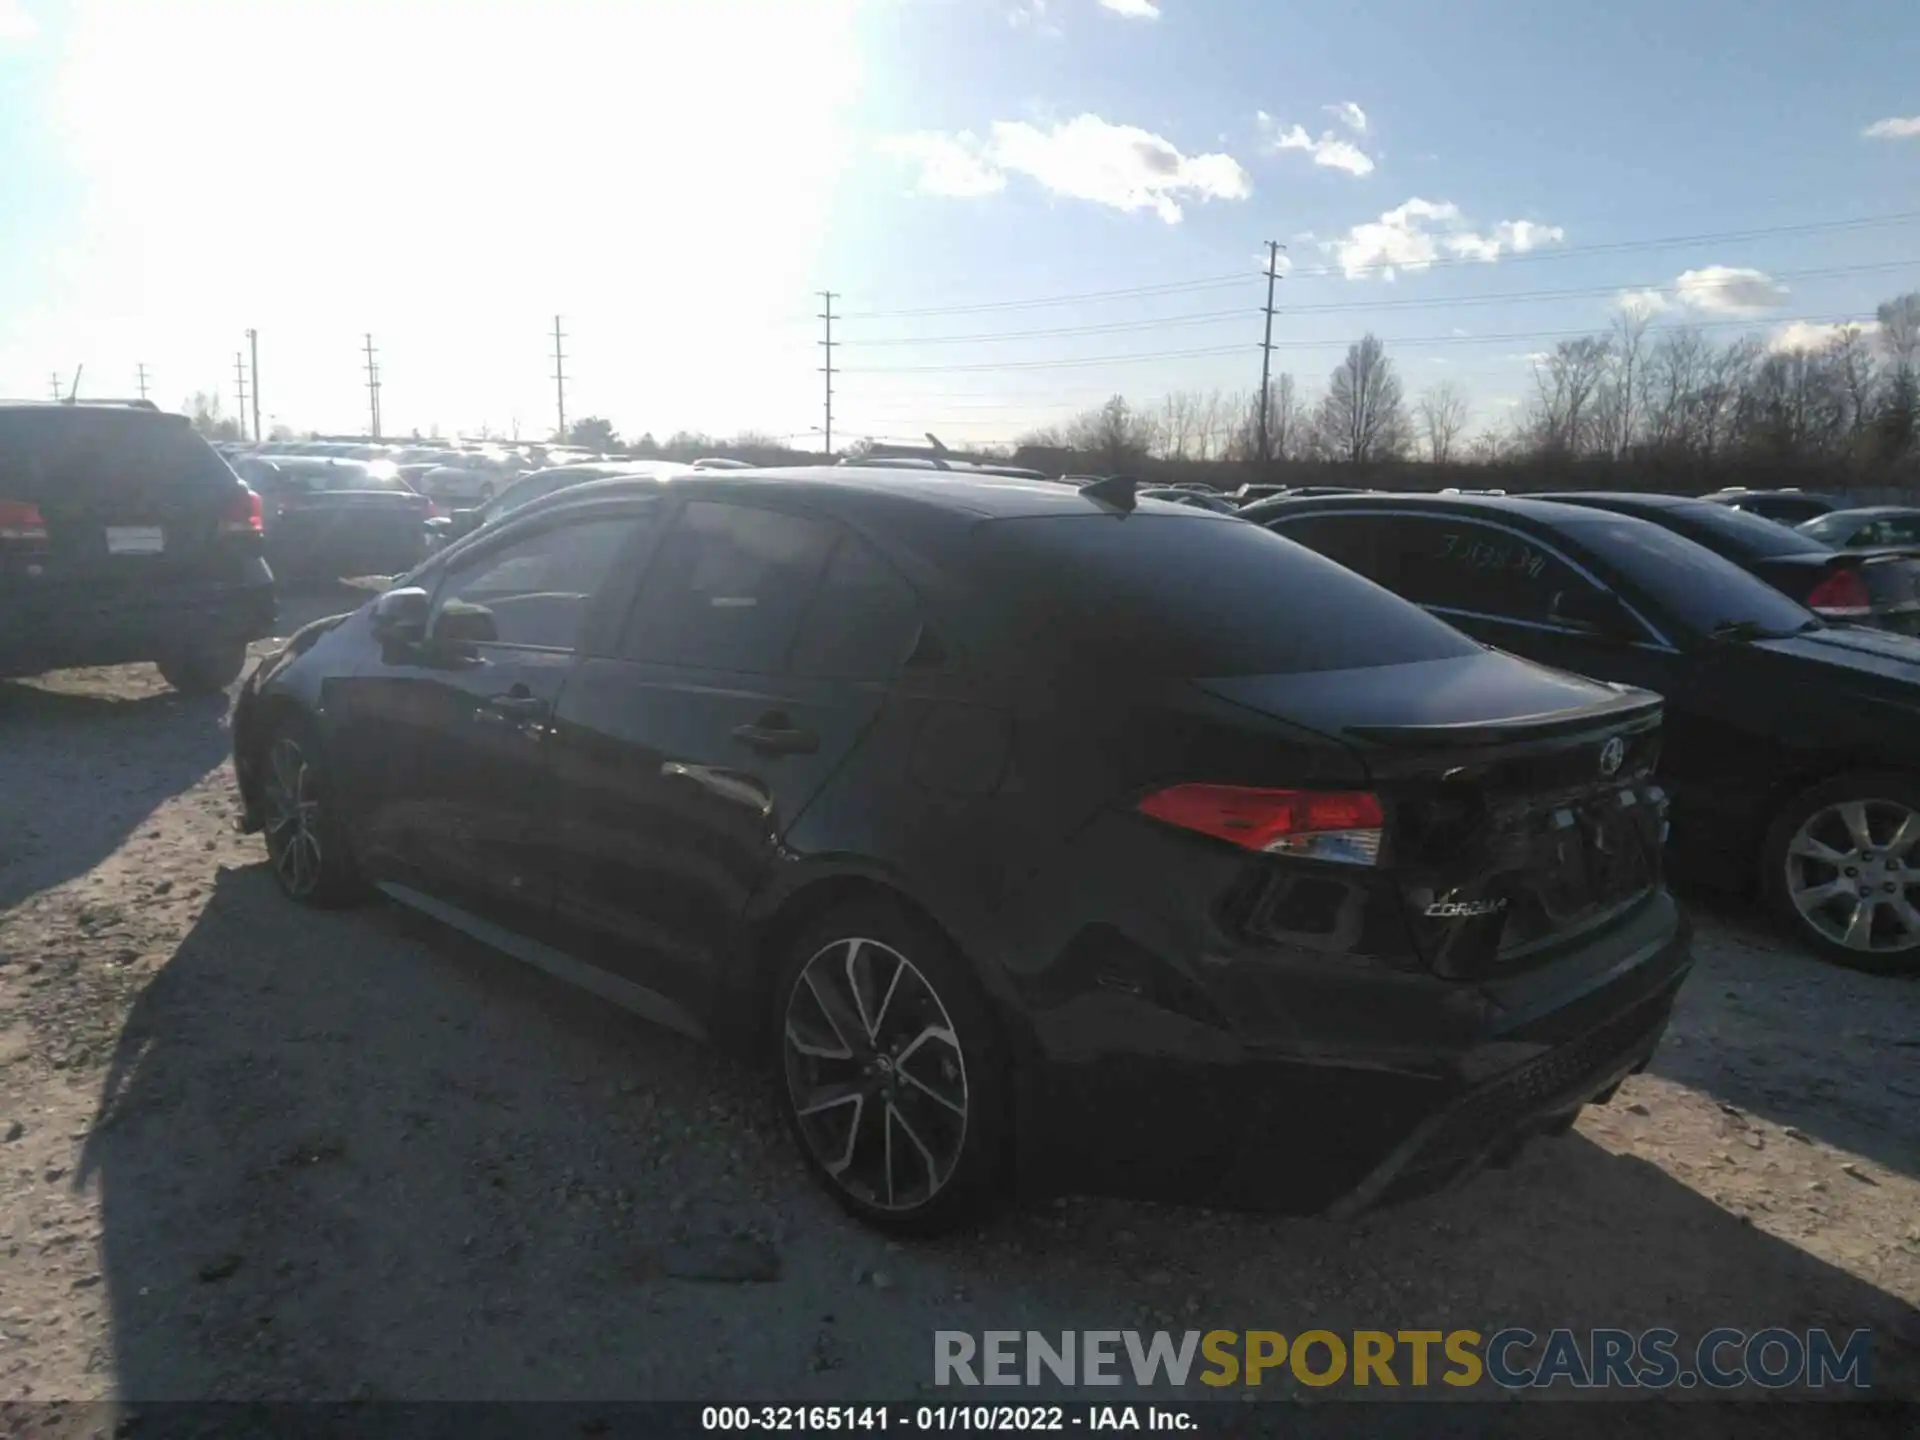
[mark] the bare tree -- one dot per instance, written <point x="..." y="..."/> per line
<point x="1112" y="434"/>
<point x="1442" y="416"/>
<point x="1566" y="383"/>
<point x="1364" y="416"/>
<point x="1675" y="372"/>
<point x="1623" y="393"/>
<point x="1213" y="421"/>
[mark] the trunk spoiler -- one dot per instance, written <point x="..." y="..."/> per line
<point x="1633" y="710"/>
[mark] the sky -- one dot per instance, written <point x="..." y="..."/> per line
<point x="1020" y="206"/>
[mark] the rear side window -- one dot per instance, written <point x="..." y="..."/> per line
<point x="93" y="454"/>
<point x="728" y="589"/>
<point x="1191" y="596"/>
<point x="864" y="619"/>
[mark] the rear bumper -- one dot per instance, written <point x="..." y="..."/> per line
<point x="79" y="627"/>
<point x="1343" y="1118"/>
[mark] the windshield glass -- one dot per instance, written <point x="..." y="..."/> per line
<point x="1193" y="596"/>
<point x="1694" y="586"/>
<point x="1743" y="532"/>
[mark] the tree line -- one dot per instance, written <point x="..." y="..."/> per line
<point x="1846" y="397"/>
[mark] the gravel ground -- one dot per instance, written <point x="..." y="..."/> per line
<point x="252" y="1151"/>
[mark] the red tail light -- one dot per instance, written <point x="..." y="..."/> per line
<point x="1841" y="596"/>
<point x="1341" y="825"/>
<point x="243" y="514"/>
<point x="22" y="524"/>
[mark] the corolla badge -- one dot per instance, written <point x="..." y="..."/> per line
<point x="1465" y="909"/>
<point x="1612" y="755"/>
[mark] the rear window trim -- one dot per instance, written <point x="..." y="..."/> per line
<point x="1661" y="640"/>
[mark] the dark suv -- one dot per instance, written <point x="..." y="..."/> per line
<point x="124" y="537"/>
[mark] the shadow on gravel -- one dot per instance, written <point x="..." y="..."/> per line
<point x="1774" y="1031"/>
<point x="344" y="1155"/>
<point x="80" y="768"/>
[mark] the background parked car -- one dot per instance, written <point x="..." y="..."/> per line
<point x="1792" y="747"/>
<point x="1868" y="528"/>
<point x="327" y="518"/>
<point x="124" y="537"/>
<point x="1198" y="499"/>
<point x="1008" y="835"/>
<point x="1882" y="590"/>
<point x="544" y="482"/>
<point x="1788" y="506"/>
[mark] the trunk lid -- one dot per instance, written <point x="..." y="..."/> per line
<point x="1521" y="811"/>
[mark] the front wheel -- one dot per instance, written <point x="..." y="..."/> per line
<point x="206" y="668"/>
<point x="1842" y="867"/>
<point x="890" y="1070"/>
<point x="305" y="840"/>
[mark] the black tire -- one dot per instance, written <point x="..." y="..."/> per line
<point x="205" y="669"/>
<point x="957" y="1161"/>
<point x="1870" y="916"/>
<point x="307" y="848"/>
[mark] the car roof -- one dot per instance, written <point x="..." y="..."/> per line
<point x="1625" y="497"/>
<point x="1868" y="512"/>
<point x="963" y="495"/>
<point x="1522" y="507"/>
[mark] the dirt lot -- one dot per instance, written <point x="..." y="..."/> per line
<point x="253" y="1151"/>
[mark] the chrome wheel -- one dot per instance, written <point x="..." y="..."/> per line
<point x="1852" y="876"/>
<point x="292" y="817"/>
<point x="875" y="1074"/>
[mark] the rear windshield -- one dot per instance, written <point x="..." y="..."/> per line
<point x="88" y="454"/>
<point x="1740" y="532"/>
<point x="1692" y="584"/>
<point x="1194" y="596"/>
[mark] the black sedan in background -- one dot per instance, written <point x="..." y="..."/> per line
<point x="1026" y="834"/>
<point x="327" y="518"/>
<point x="1871" y="527"/>
<point x="1879" y="588"/>
<point x="1792" y="747"/>
<point x="1789" y="506"/>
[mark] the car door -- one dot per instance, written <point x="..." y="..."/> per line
<point x="756" y="656"/>
<point x="464" y="717"/>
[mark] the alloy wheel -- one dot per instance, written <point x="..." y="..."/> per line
<point x="1852" y="875"/>
<point x="876" y="1075"/>
<point x="293" y="817"/>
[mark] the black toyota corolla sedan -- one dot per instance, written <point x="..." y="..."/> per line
<point x="1031" y="836"/>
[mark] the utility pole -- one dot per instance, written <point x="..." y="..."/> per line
<point x="560" y="380"/>
<point x="240" y="392"/>
<point x="57" y="395"/>
<point x="143" y="382"/>
<point x="373" y="389"/>
<point x="1274" y="247"/>
<point x="827" y="369"/>
<point x="253" y="344"/>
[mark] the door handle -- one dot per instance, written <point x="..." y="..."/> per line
<point x="775" y="735"/>
<point x="522" y="707"/>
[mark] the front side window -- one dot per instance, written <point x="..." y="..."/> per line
<point x="729" y="589"/>
<point x="541" y="588"/>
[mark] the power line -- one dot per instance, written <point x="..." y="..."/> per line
<point x="1404" y="342"/>
<point x="1216" y="317"/>
<point x="827" y="370"/>
<point x="1438" y="262"/>
<point x="560" y="378"/>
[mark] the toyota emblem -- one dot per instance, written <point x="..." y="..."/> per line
<point x="1612" y="754"/>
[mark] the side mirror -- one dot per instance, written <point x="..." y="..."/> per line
<point x="401" y="615"/>
<point x="463" y="624"/>
<point x="1598" y="612"/>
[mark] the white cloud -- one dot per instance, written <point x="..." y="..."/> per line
<point x="1329" y="150"/>
<point x="1086" y="158"/>
<point x="1644" y="302"/>
<point x="1133" y="9"/>
<point x="1033" y="15"/>
<point x="1349" y="115"/>
<point x="1810" y="335"/>
<point x="16" y="25"/>
<point x="949" y="164"/>
<point x="1894" y="127"/>
<point x="1282" y="264"/>
<point x="1414" y="235"/>
<point x="1728" y="290"/>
